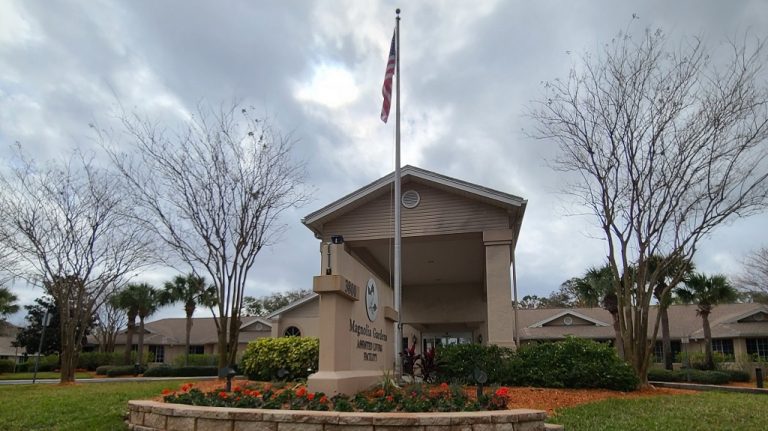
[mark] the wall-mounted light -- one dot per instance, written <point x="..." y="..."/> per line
<point x="337" y="239"/>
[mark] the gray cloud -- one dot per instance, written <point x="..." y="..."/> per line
<point x="470" y="69"/>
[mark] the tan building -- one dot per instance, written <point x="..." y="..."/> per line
<point x="8" y="333"/>
<point x="165" y="338"/>
<point x="457" y="250"/>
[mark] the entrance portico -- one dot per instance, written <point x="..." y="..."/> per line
<point x="458" y="245"/>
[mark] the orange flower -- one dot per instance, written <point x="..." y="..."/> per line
<point x="502" y="391"/>
<point x="310" y="396"/>
<point x="186" y="387"/>
<point x="166" y="391"/>
<point x="301" y="392"/>
<point x="223" y="395"/>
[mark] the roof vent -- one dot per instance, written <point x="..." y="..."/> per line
<point x="410" y="199"/>
<point x="568" y="320"/>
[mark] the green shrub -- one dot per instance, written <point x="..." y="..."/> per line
<point x="191" y="371"/>
<point x="196" y="360"/>
<point x="738" y="375"/>
<point x="458" y="362"/>
<point x="698" y="360"/>
<point x="102" y="370"/>
<point x="573" y="363"/>
<point x="47" y="363"/>
<point x="24" y="367"/>
<point x="298" y="356"/>
<point x="7" y="366"/>
<point x="696" y="376"/>
<point x="122" y="370"/>
<point x="92" y="360"/>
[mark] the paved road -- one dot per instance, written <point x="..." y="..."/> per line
<point x="107" y="380"/>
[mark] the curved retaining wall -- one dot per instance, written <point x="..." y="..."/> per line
<point x="157" y="416"/>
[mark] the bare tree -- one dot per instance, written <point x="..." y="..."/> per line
<point x="662" y="146"/>
<point x="111" y="318"/>
<point x="213" y="192"/>
<point x="69" y="226"/>
<point x="755" y="275"/>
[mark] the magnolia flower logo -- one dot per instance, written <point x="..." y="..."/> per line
<point x="371" y="300"/>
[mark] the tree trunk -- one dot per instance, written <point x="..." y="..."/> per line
<point x="140" y="352"/>
<point x="618" y="343"/>
<point x="68" y="354"/>
<point x="129" y="339"/>
<point x="186" y="340"/>
<point x="222" y="332"/>
<point x="666" y="342"/>
<point x="707" y="340"/>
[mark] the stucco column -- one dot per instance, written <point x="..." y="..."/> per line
<point x="498" y="282"/>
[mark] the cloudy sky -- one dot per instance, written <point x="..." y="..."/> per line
<point x="469" y="70"/>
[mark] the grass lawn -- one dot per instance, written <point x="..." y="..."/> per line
<point x="704" y="411"/>
<point x="41" y="375"/>
<point x="84" y="406"/>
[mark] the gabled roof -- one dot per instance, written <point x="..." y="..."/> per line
<point x="573" y="313"/>
<point x="295" y="304"/>
<point x="172" y="331"/>
<point x="407" y="173"/>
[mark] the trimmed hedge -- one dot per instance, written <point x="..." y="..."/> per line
<point x="122" y="370"/>
<point x="192" y="371"/>
<point x="696" y="376"/>
<point x="93" y="360"/>
<point x="102" y="370"/>
<point x="6" y="365"/>
<point x="457" y="362"/>
<point x="265" y="357"/>
<point x="738" y="375"/>
<point x="573" y="363"/>
<point x="197" y="360"/>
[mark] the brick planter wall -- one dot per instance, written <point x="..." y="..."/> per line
<point x="157" y="416"/>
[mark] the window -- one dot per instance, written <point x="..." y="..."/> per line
<point x="158" y="352"/>
<point x="724" y="346"/>
<point x="196" y="350"/>
<point x="658" y="352"/>
<point x="758" y="347"/>
<point x="292" y="331"/>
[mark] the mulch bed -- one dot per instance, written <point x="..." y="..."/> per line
<point x="520" y="398"/>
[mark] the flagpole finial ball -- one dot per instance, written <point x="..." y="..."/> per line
<point x="397" y="11"/>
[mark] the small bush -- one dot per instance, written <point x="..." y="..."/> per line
<point x="696" y="376"/>
<point x="196" y="360"/>
<point x="298" y="356"/>
<point x="24" y="367"/>
<point x="93" y="360"/>
<point x="168" y="371"/>
<point x="458" y="362"/>
<point x="738" y="375"/>
<point x="6" y="366"/>
<point x="47" y="363"/>
<point x="122" y="370"/>
<point x="102" y="370"/>
<point x="573" y="363"/>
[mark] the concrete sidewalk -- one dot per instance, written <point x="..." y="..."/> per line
<point x="109" y="380"/>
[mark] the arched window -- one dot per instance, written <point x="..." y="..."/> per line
<point x="292" y="331"/>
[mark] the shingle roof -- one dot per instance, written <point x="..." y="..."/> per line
<point x="683" y="320"/>
<point x="172" y="331"/>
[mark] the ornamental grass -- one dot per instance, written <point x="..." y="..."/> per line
<point x="410" y="398"/>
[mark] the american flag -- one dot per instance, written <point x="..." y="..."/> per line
<point x="386" y="89"/>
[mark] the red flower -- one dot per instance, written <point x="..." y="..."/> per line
<point x="166" y="391"/>
<point x="310" y="396"/>
<point x="502" y="391"/>
<point x="301" y="392"/>
<point x="185" y="387"/>
<point x="389" y="398"/>
<point x="444" y="386"/>
<point x="323" y="399"/>
<point x="237" y="389"/>
<point x="223" y="395"/>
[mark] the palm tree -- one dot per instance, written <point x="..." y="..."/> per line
<point x="139" y="300"/>
<point x="190" y="290"/>
<point x="8" y="303"/>
<point x="596" y="287"/>
<point x="706" y="292"/>
<point x="663" y="293"/>
<point x="126" y="300"/>
<point x="147" y="303"/>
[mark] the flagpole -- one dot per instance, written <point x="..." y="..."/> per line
<point x="397" y="263"/>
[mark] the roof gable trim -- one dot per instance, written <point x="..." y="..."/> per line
<point x="541" y="323"/>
